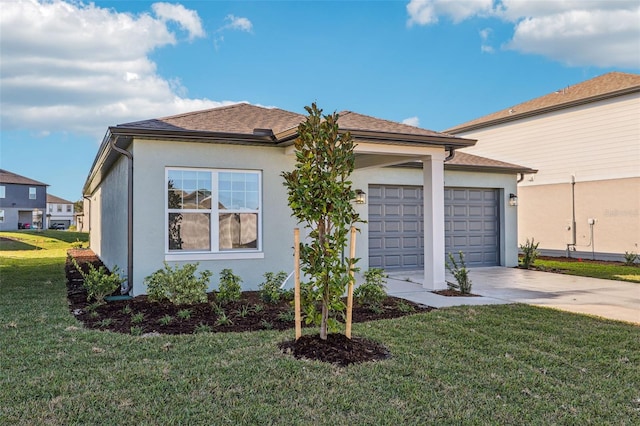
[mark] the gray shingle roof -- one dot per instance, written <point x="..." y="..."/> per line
<point x="57" y="200"/>
<point x="9" y="177"/>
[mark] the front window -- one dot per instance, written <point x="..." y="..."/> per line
<point x="32" y="193"/>
<point x="213" y="210"/>
<point x="59" y="208"/>
<point x="68" y="208"/>
<point x="1" y="216"/>
<point x="2" y="191"/>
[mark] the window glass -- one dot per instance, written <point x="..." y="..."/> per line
<point x="32" y="193"/>
<point x="238" y="231"/>
<point x="1" y="216"/>
<point x="59" y="208"/>
<point x="68" y="208"/>
<point x="2" y="191"/>
<point x="189" y="231"/>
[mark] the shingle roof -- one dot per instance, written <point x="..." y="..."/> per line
<point x="604" y="86"/>
<point x="8" y="177"/>
<point x="57" y="200"/>
<point x="464" y="160"/>
<point x="244" y="119"/>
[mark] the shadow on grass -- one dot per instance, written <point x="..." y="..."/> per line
<point x="8" y="244"/>
<point x="66" y="236"/>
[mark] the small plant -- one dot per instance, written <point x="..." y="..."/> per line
<point x="202" y="328"/>
<point x="184" y="314"/>
<point x="630" y="258"/>
<point x="287" y="316"/>
<point x="243" y="311"/>
<point x="404" y="307"/>
<point x="270" y="290"/>
<point x="529" y="253"/>
<point x="106" y="322"/>
<point x="93" y="306"/>
<point x="94" y="314"/>
<point x="372" y="292"/>
<point x="99" y="282"/>
<point x="229" y="289"/>
<point x="460" y="273"/>
<point x="136" y="331"/>
<point x="266" y="325"/>
<point x="77" y="244"/>
<point x="126" y="310"/>
<point x="178" y="285"/>
<point x="137" y="318"/>
<point x="223" y="319"/>
<point x="257" y="308"/>
<point x="165" y="320"/>
<point x="287" y="295"/>
<point x="217" y="309"/>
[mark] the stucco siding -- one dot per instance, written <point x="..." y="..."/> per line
<point x="108" y="237"/>
<point x="615" y="204"/>
<point x="596" y="141"/>
<point x="151" y="159"/>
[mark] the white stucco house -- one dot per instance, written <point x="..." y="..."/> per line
<point x="584" y="140"/>
<point x="60" y="212"/>
<point x="206" y="187"/>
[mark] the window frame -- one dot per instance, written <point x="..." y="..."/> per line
<point x="215" y="253"/>
<point x="3" y="191"/>
<point x="1" y="215"/>
<point x="33" y="191"/>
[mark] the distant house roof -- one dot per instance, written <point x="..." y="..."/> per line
<point x="57" y="200"/>
<point x="9" y="177"/>
<point x="603" y="87"/>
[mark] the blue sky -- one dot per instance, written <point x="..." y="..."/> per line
<point x="68" y="69"/>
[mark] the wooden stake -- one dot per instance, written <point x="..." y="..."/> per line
<point x="296" y="269"/>
<point x="352" y="255"/>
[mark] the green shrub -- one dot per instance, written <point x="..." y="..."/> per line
<point x="529" y="253"/>
<point x="372" y="292"/>
<point x="630" y="258"/>
<point x="270" y="290"/>
<point x="184" y="314"/>
<point x="229" y="289"/>
<point x="137" y="318"/>
<point x="165" y="320"/>
<point x="99" y="282"/>
<point x="178" y="285"/>
<point x="77" y="244"/>
<point x="460" y="273"/>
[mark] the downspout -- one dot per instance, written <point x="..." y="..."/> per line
<point x="520" y="178"/>
<point x="129" y="285"/>
<point x="573" y="216"/>
<point x="89" y="212"/>
<point x="452" y="153"/>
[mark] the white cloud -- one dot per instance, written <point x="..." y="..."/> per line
<point x="187" y="19"/>
<point x="424" y="12"/>
<point x="485" y="35"/>
<point x="602" y="33"/>
<point x="412" y="121"/>
<point x="68" y="66"/>
<point x="238" y="23"/>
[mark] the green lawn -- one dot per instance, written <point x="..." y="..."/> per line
<point x="39" y="244"/>
<point x="510" y="364"/>
<point x="595" y="270"/>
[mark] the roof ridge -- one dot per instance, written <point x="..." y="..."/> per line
<point x="380" y="119"/>
<point x="184" y="114"/>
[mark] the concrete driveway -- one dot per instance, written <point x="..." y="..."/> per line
<point x="616" y="300"/>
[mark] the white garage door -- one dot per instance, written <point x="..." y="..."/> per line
<point x="396" y="233"/>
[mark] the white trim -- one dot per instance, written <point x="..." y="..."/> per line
<point x="240" y="255"/>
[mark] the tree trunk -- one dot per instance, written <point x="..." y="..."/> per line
<point x="325" y="319"/>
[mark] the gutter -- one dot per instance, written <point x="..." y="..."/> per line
<point x="113" y="146"/>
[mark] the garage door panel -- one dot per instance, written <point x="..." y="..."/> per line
<point x="396" y="237"/>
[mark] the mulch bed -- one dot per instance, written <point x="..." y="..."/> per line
<point x="454" y="293"/>
<point x="140" y="316"/>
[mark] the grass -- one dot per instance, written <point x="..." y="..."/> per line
<point x="509" y="364"/>
<point x="38" y="244"/>
<point x="596" y="270"/>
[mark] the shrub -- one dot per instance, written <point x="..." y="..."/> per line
<point x="184" y="314"/>
<point x="99" y="282"/>
<point x="529" y="253"/>
<point x="372" y="292"/>
<point x="77" y="244"/>
<point x="137" y="318"/>
<point x="229" y="289"/>
<point x="178" y="285"/>
<point x="270" y="290"/>
<point x="630" y="258"/>
<point x="460" y="273"/>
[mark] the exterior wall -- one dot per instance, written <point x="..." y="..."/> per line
<point x="615" y="204"/>
<point x="108" y="237"/>
<point x="599" y="144"/>
<point x="150" y="160"/>
<point x="16" y="204"/>
<point x="410" y="176"/>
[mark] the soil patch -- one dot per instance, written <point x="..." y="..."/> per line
<point x="454" y="293"/>
<point x="139" y="316"/>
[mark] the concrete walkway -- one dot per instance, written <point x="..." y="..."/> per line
<point x="616" y="300"/>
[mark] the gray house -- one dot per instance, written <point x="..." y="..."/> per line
<point x="206" y="187"/>
<point x="22" y="202"/>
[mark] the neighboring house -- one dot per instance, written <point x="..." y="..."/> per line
<point x="60" y="212"/>
<point x="206" y="187"/>
<point x="22" y="202"/>
<point x="585" y="142"/>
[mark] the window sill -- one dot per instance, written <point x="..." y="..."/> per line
<point x="213" y="256"/>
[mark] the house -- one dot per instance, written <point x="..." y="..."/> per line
<point x="22" y="202"/>
<point x="60" y="212"/>
<point x="585" y="142"/>
<point x="206" y="187"/>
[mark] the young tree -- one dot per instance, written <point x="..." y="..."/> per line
<point x="320" y="196"/>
